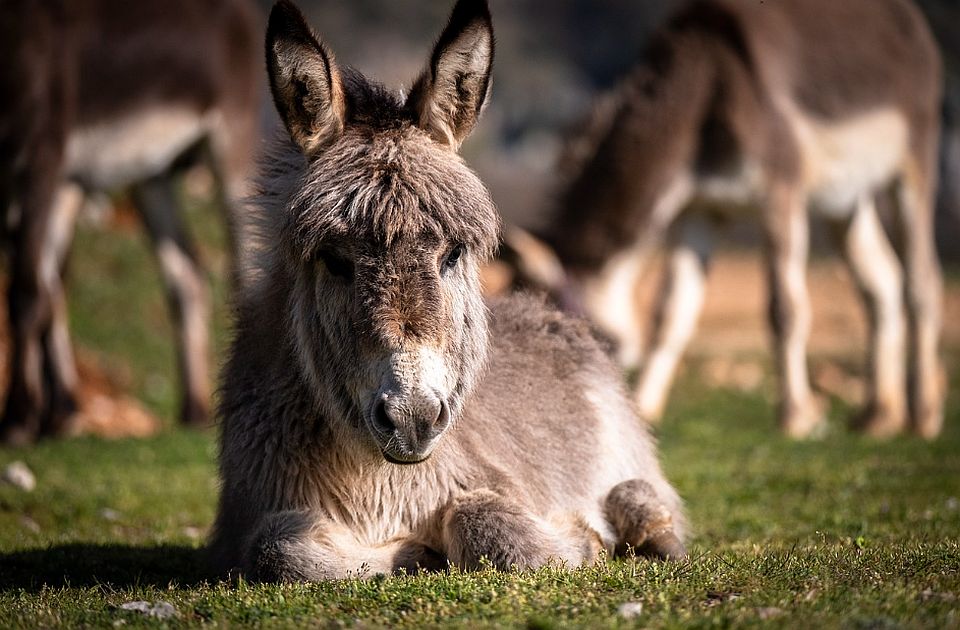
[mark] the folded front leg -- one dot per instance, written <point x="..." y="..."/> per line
<point x="296" y="546"/>
<point x="486" y="525"/>
<point x="642" y="521"/>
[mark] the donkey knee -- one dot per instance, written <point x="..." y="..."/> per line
<point x="282" y="552"/>
<point x="305" y="546"/>
<point x="642" y="521"/>
<point x="484" y="526"/>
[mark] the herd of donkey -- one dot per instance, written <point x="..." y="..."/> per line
<point x="379" y="412"/>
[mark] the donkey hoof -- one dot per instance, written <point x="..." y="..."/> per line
<point x="664" y="545"/>
<point x="929" y="425"/>
<point x="17" y="436"/>
<point x="804" y="422"/>
<point x="879" y="423"/>
<point x="195" y="414"/>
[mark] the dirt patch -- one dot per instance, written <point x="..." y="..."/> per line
<point x="734" y="319"/>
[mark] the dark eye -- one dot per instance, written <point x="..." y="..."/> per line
<point x="453" y="257"/>
<point x="337" y="265"/>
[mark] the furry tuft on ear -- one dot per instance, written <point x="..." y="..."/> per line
<point x="304" y="80"/>
<point x="447" y="98"/>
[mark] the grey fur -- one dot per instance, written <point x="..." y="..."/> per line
<point x="354" y="303"/>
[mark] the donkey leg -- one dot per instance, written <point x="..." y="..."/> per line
<point x="790" y="314"/>
<point x="876" y="270"/>
<point x="924" y="294"/>
<point x="680" y="303"/>
<point x="642" y="521"/>
<point x="298" y="546"/>
<point x="187" y="290"/>
<point x="483" y="525"/>
<point x="29" y="302"/>
<point x="611" y="301"/>
<point x="59" y="363"/>
<point x="610" y="296"/>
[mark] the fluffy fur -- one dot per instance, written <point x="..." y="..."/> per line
<point x="365" y="344"/>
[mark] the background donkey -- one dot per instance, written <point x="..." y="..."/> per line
<point x="364" y="346"/>
<point x="773" y="105"/>
<point x="105" y="94"/>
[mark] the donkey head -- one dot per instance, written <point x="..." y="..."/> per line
<point x="384" y="232"/>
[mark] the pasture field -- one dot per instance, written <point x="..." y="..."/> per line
<point x="842" y="532"/>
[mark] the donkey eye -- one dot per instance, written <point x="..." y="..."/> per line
<point x="337" y="265"/>
<point x="453" y="257"/>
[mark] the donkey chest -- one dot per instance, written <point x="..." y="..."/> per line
<point x="388" y="502"/>
<point x="123" y="150"/>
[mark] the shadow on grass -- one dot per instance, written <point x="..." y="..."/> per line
<point x="81" y="565"/>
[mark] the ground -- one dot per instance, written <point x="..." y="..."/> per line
<point x="845" y="531"/>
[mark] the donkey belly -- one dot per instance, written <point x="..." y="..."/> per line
<point x="134" y="147"/>
<point x="624" y="452"/>
<point x="843" y="160"/>
<point x="554" y="407"/>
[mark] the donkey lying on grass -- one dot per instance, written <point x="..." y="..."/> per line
<point x="376" y="416"/>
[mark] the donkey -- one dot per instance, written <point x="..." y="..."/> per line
<point x="99" y="95"/>
<point x="376" y="417"/>
<point x="772" y="106"/>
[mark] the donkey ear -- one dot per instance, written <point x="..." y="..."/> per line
<point x="304" y="80"/>
<point x="448" y="96"/>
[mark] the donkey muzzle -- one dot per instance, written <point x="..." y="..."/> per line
<point x="407" y="428"/>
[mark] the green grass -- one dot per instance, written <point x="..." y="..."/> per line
<point x="118" y="305"/>
<point x="843" y="532"/>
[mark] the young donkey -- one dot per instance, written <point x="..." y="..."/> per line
<point x="97" y="95"/>
<point x="783" y="106"/>
<point x="376" y="416"/>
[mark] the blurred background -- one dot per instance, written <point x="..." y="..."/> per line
<point x="845" y="517"/>
<point x="553" y="60"/>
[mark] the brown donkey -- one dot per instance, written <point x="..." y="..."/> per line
<point x="98" y="95"/>
<point x="783" y="106"/>
<point x="376" y="415"/>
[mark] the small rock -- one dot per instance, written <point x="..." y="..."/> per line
<point x="723" y="596"/>
<point x="19" y="475"/>
<point x="159" y="610"/>
<point x="192" y="532"/>
<point x="769" y="612"/>
<point x="109" y="514"/>
<point x="630" y="610"/>
<point x="929" y="594"/>
<point x="30" y="524"/>
<point x="953" y="504"/>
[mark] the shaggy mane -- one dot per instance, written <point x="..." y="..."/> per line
<point x="382" y="181"/>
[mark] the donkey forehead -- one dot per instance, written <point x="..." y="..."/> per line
<point x="384" y="188"/>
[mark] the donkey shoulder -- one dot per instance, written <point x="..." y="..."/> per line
<point x="526" y="326"/>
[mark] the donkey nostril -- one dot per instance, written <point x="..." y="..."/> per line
<point x="443" y="417"/>
<point x="382" y="419"/>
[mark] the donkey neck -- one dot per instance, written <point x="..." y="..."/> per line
<point x="633" y="152"/>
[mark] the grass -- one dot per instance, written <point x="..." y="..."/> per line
<point x="844" y="532"/>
